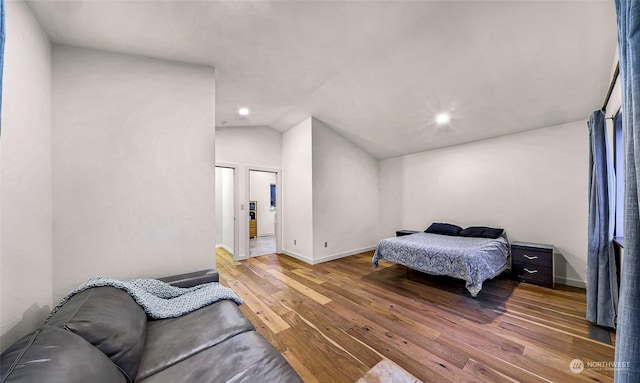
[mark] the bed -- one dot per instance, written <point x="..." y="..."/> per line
<point x="471" y="259"/>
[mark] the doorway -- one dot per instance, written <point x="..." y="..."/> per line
<point x="225" y="196"/>
<point x="262" y="215"/>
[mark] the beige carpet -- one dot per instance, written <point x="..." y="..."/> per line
<point x="387" y="372"/>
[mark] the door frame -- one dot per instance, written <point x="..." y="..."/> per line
<point x="278" y="173"/>
<point x="236" y="207"/>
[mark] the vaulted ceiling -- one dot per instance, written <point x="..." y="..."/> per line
<point x="377" y="71"/>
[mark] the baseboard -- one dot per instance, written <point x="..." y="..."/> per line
<point x="228" y="249"/>
<point x="571" y="282"/>
<point x="326" y="258"/>
<point x="333" y="257"/>
<point x="297" y="256"/>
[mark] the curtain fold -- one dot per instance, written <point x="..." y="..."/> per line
<point x="627" y="359"/>
<point x="601" y="264"/>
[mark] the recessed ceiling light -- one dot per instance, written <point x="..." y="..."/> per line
<point x="243" y="111"/>
<point x="443" y="118"/>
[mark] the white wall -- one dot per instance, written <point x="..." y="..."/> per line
<point x="25" y="177"/>
<point x="330" y="194"/>
<point x="249" y="146"/>
<point x="224" y="208"/>
<point x="133" y="174"/>
<point x="533" y="184"/>
<point x="345" y="191"/>
<point x="245" y="148"/>
<point x="260" y="191"/>
<point x="297" y="192"/>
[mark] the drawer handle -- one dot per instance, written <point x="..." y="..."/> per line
<point x="530" y="257"/>
<point x="530" y="271"/>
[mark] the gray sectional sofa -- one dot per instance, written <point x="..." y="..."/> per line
<point x="103" y="335"/>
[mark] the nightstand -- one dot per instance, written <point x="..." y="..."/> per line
<point x="532" y="263"/>
<point x="401" y="233"/>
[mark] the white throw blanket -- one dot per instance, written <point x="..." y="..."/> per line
<point x="160" y="300"/>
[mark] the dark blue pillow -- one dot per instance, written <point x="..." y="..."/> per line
<point x="443" y="228"/>
<point x="481" y="232"/>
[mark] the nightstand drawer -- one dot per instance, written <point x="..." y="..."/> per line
<point x="539" y="275"/>
<point x="531" y="256"/>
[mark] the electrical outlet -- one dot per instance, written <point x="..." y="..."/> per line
<point x="295" y="242"/>
<point x="325" y="244"/>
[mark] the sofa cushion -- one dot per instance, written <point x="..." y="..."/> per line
<point x="55" y="355"/>
<point x="246" y="357"/>
<point x="109" y="319"/>
<point x="170" y="341"/>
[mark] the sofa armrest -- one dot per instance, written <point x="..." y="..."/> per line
<point x="192" y="279"/>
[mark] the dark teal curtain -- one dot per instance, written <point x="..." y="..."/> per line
<point x="2" y="34"/>
<point x="601" y="265"/>
<point x="628" y="333"/>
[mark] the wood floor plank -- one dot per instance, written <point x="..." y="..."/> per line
<point x="262" y="290"/>
<point x="306" y="290"/>
<point x="424" y="336"/>
<point x="370" y="334"/>
<point x="305" y="273"/>
<point x="308" y="354"/>
<point x="480" y="370"/>
<point x="327" y="324"/>
<point x="336" y="320"/>
<point x="262" y="328"/>
<point x="306" y="375"/>
<point x="268" y="317"/>
<point x="495" y="363"/>
<point x="532" y="334"/>
<point x="262" y="278"/>
<point x="560" y="367"/>
<point x="328" y="349"/>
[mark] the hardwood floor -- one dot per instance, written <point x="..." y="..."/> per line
<point x="336" y="320"/>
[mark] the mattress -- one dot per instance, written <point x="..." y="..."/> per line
<point x="471" y="259"/>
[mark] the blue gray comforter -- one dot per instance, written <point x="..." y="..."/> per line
<point x="471" y="259"/>
<point x="160" y="300"/>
